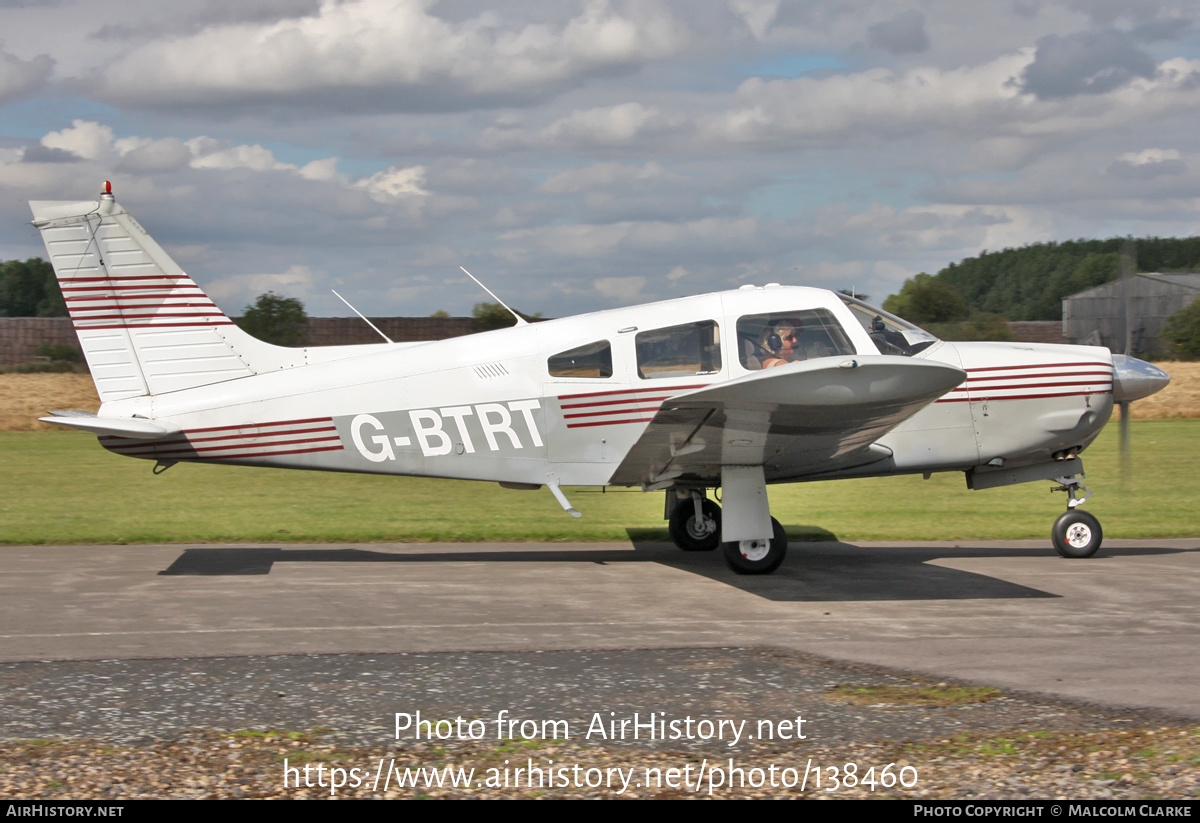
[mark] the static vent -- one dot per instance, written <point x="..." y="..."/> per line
<point x="490" y="371"/>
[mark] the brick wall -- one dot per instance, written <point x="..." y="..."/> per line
<point x="20" y="336"/>
<point x="1038" y="331"/>
<point x="343" y="331"/>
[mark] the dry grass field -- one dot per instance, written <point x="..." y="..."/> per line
<point x="26" y="397"/>
<point x="1180" y="399"/>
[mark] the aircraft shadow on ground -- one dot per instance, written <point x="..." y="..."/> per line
<point x="813" y="572"/>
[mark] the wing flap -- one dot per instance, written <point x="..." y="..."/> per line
<point x="795" y="420"/>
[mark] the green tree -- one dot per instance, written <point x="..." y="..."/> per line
<point x="28" y="288"/>
<point x="981" y="326"/>
<point x="1182" y="332"/>
<point x="440" y="313"/>
<point x="490" y="316"/>
<point x="276" y="319"/>
<point x="926" y="299"/>
<point x="866" y="298"/>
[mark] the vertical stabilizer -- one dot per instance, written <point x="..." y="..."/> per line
<point x="145" y="327"/>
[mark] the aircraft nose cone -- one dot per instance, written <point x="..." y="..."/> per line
<point x="1136" y="379"/>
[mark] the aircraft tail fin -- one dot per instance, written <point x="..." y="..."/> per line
<point x="145" y="326"/>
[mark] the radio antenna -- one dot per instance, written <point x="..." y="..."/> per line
<point x="360" y="314"/>
<point x="521" y="321"/>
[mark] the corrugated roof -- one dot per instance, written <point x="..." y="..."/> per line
<point x="1188" y="281"/>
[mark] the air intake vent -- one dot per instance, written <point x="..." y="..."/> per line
<point x="490" y="371"/>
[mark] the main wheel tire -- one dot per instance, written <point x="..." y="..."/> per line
<point x="1076" y="534"/>
<point x="757" y="556"/>
<point x="690" y="535"/>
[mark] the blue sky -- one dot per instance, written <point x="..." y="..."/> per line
<point x="589" y="154"/>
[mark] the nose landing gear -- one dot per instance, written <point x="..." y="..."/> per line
<point x="1076" y="533"/>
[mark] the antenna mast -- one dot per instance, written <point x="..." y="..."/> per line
<point x="521" y="321"/>
<point x="360" y="314"/>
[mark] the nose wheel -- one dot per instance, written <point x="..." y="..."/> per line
<point x="1076" y="533"/>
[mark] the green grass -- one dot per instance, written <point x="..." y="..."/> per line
<point x="61" y="487"/>
<point x="916" y="695"/>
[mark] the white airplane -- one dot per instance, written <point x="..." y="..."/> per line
<point x="737" y="390"/>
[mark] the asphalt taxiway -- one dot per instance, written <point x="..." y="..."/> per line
<point x="1121" y="629"/>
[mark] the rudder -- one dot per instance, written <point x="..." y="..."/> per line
<point x="145" y="326"/>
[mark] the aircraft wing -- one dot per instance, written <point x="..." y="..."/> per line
<point x="795" y="420"/>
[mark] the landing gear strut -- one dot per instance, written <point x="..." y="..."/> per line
<point x="695" y="524"/>
<point x="1076" y="533"/>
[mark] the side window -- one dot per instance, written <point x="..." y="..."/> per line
<point x="766" y="340"/>
<point x="889" y="333"/>
<point x="679" y="351"/>
<point x="592" y="360"/>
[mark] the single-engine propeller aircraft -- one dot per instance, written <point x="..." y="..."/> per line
<point x="737" y="390"/>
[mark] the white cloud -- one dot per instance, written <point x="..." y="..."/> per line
<point x="86" y="139"/>
<point x="605" y="126"/>
<point x="1148" y="164"/>
<point x="581" y="241"/>
<point x="397" y="47"/>
<point x="296" y="281"/>
<point x="822" y="272"/>
<point x="947" y="230"/>
<point x="324" y="169"/>
<point x="140" y="156"/>
<point x="1148" y="156"/>
<point x="757" y="14"/>
<point x="872" y="103"/>
<point x="208" y="153"/>
<point x="605" y="175"/>
<point x="395" y="183"/>
<point x="620" y="288"/>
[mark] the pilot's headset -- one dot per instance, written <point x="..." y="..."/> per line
<point x="771" y="340"/>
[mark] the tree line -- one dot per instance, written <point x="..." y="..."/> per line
<point x="971" y="299"/>
<point x="1030" y="282"/>
<point x="28" y="288"/>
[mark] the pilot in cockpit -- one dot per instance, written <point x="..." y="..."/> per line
<point x="779" y="341"/>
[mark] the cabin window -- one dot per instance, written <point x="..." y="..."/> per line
<point x="592" y="360"/>
<point x="679" y="351"/>
<point x="775" y="339"/>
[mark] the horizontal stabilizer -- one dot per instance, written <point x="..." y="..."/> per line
<point x="132" y="427"/>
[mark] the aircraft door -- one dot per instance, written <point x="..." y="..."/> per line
<point x="586" y="405"/>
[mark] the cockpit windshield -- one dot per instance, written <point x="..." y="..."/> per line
<point x="891" y="334"/>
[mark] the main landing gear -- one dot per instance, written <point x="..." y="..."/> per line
<point x="694" y="524"/>
<point x="1076" y="533"/>
<point x="757" y="556"/>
